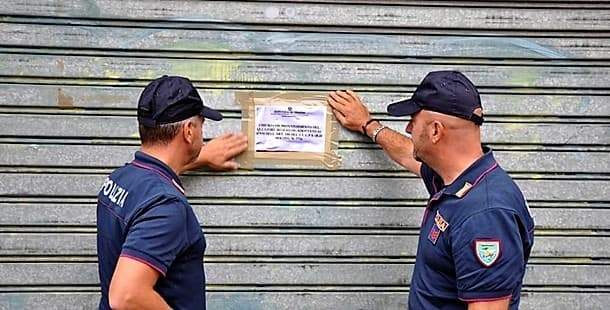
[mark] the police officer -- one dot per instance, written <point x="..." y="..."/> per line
<point x="477" y="232"/>
<point x="149" y="242"/>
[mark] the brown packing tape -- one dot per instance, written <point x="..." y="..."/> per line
<point x="252" y="159"/>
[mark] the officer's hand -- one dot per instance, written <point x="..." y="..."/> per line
<point x="348" y="109"/>
<point x="220" y="152"/>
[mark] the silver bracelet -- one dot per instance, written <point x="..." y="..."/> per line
<point x="377" y="131"/>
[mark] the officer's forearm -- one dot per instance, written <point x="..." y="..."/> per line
<point x="145" y="298"/>
<point x="399" y="147"/>
<point x="501" y="304"/>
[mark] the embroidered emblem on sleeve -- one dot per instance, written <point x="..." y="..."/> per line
<point x="440" y="222"/>
<point x="433" y="234"/>
<point x="487" y="251"/>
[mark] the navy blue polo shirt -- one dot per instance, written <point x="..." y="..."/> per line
<point x="142" y="214"/>
<point x="475" y="239"/>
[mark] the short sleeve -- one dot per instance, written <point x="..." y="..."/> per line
<point x="157" y="235"/>
<point x="429" y="177"/>
<point x="488" y="255"/>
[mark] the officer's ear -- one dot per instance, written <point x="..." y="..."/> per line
<point x="188" y="131"/>
<point x="436" y="130"/>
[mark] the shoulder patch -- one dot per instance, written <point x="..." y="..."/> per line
<point x="487" y="251"/>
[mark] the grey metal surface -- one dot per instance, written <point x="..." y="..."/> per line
<point x="73" y="99"/>
<point x="300" y="72"/>
<point x="478" y="44"/>
<point x="39" y="125"/>
<point x="292" y="238"/>
<point x="294" y="274"/>
<point x="227" y="213"/>
<point x="321" y="14"/>
<point x="287" y="243"/>
<point x="319" y="186"/>
<point x="337" y="300"/>
<point x="98" y="156"/>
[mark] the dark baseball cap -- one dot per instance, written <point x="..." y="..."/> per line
<point x="171" y="99"/>
<point x="447" y="92"/>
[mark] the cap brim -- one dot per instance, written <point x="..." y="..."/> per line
<point x="404" y="107"/>
<point x="211" y="114"/>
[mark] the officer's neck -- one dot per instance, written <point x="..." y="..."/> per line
<point x="170" y="154"/>
<point x="451" y="162"/>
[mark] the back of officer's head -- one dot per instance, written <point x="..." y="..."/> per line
<point x="168" y="106"/>
<point x="163" y="134"/>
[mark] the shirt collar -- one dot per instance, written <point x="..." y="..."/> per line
<point x="473" y="174"/>
<point x="149" y="162"/>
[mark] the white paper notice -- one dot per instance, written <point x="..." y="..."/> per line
<point x="290" y="128"/>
